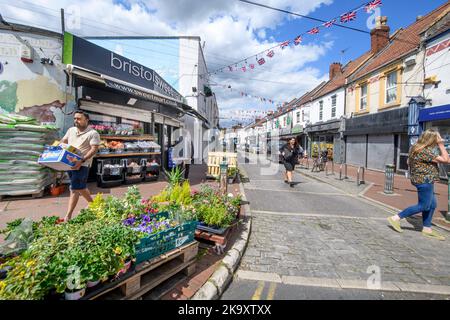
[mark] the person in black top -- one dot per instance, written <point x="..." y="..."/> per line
<point x="290" y="153"/>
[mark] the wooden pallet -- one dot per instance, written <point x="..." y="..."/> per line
<point x="148" y="275"/>
<point x="215" y="159"/>
<point x="4" y="197"/>
<point x="219" y="240"/>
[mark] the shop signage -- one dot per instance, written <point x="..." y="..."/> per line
<point x="139" y="93"/>
<point x="84" y="54"/>
<point x="285" y="131"/>
<point x="435" y="113"/>
<point x="297" y="128"/>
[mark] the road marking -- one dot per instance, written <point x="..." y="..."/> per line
<point x="272" y="288"/>
<point x="302" y="192"/>
<point x="263" y="276"/>
<point x="315" y="215"/>
<point x="342" y="283"/>
<point x="258" y="291"/>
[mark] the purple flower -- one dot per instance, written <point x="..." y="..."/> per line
<point x="146" y="218"/>
<point x="129" y="221"/>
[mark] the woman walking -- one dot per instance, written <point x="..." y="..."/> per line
<point x="290" y="154"/>
<point x="423" y="159"/>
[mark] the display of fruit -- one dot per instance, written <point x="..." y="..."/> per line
<point x="116" y="145"/>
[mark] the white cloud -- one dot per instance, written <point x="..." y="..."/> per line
<point x="231" y="29"/>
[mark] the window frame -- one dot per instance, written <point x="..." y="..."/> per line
<point x="363" y="97"/>
<point x="320" y="110"/>
<point x="394" y="87"/>
<point x="333" y="105"/>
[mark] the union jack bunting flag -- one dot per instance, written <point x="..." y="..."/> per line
<point x="230" y="68"/>
<point x="314" y="31"/>
<point x="329" y="23"/>
<point x="261" y="61"/>
<point x="270" y="54"/>
<point x="244" y="68"/>
<point x="349" y="16"/>
<point x="252" y="66"/>
<point x="284" y="44"/>
<point x="298" y="40"/>
<point x="372" y="5"/>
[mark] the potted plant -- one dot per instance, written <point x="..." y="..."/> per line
<point x="58" y="188"/>
<point x="231" y="174"/>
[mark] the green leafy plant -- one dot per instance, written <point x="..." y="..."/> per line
<point x="175" y="176"/>
<point x="232" y="172"/>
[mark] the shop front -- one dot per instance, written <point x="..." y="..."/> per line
<point x="135" y="111"/>
<point x="325" y="137"/>
<point x="378" y="139"/>
<point x="438" y="118"/>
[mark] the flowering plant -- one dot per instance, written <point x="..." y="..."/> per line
<point x="148" y="224"/>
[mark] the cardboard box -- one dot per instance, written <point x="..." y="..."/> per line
<point x="58" y="159"/>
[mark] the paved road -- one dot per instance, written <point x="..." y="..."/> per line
<point x="316" y="241"/>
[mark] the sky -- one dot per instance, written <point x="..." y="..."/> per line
<point x="233" y="30"/>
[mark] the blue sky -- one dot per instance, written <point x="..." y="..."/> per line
<point x="231" y="30"/>
<point x="400" y="13"/>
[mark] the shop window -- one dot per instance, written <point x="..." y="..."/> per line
<point x="320" y="110"/>
<point x="363" y="102"/>
<point x="303" y="115"/>
<point x="298" y="116"/>
<point x="333" y="106"/>
<point x="391" y="87"/>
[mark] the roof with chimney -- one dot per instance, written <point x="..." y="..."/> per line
<point x="338" y="81"/>
<point x="402" y="43"/>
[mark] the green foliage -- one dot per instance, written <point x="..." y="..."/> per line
<point x="94" y="250"/>
<point x="213" y="208"/>
<point x="232" y="172"/>
<point x="175" y="176"/>
<point x="178" y="194"/>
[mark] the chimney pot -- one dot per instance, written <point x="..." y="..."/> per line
<point x="379" y="36"/>
<point x="335" y="69"/>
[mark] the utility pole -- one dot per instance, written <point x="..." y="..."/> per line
<point x="63" y="27"/>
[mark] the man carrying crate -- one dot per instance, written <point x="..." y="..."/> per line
<point x="87" y="140"/>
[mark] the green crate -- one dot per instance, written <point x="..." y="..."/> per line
<point x="164" y="241"/>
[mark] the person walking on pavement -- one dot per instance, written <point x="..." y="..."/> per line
<point x="423" y="159"/>
<point x="87" y="140"/>
<point x="290" y="153"/>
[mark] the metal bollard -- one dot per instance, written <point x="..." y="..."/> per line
<point x="223" y="183"/>
<point x="447" y="216"/>
<point x="361" y="172"/>
<point x="343" y="165"/>
<point x="389" y="179"/>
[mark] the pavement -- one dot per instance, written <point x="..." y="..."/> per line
<point x="318" y="240"/>
<point x="404" y="193"/>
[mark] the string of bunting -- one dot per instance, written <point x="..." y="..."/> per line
<point x="261" y="57"/>
<point x="248" y="95"/>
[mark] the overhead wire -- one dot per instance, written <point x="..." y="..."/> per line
<point x="228" y="59"/>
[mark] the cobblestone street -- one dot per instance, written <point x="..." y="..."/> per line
<point x="315" y="231"/>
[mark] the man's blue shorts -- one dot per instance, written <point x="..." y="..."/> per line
<point x="78" y="178"/>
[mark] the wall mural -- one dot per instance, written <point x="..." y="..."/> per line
<point x="34" y="89"/>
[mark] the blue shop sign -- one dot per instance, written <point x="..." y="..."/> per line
<point x="435" y="113"/>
